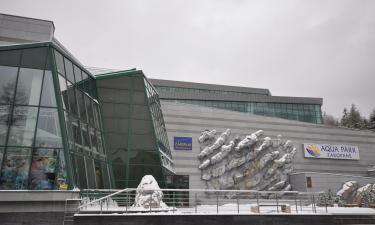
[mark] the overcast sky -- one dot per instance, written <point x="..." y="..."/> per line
<point x="294" y="48"/>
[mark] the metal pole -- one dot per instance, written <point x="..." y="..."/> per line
<point x="150" y="202"/>
<point x="238" y="205"/>
<point x="295" y="201"/>
<point x="300" y="204"/>
<point x="312" y="204"/>
<point x="277" y="203"/>
<point x="173" y="201"/>
<point x="196" y="203"/>
<point x="325" y="200"/>
<point x="217" y="203"/>
<point x="258" y="202"/>
<point x="101" y="206"/>
<point x="127" y="201"/>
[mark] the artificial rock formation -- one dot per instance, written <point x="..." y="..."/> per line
<point x="248" y="162"/>
<point x="149" y="194"/>
<point x="352" y="193"/>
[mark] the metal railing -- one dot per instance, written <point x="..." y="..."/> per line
<point x="203" y="201"/>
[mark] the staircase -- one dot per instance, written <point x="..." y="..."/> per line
<point x="71" y="208"/>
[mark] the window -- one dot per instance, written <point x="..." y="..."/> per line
<point x="48" y="129"/>
<point x="48" y="93"/>
<point x="8" y="78"/>
<point x="42" y="173"/>
<point x="23" y="126"/>
<point x="29" y="86"/>
<point x="15" y="169"/>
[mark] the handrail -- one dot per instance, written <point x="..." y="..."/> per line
<point x="198" y="190"/>
<point x="102" y="198"/>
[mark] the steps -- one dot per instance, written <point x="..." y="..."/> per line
<point x="71" y="208"/>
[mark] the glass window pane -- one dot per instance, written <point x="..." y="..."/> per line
<point x="10" y="58"/>
<point x="62" y="182"/>
<point x="90" y="172"/>
<point x="94" y="144"/>
<point x="64" y="92"/>
<point x="23" y="126"/>
<point x="48" y="129"/>
<point x="59" y="63"/>
<point x="48" y="91"/>
<point x="77" y="73"/>
<point x="69" y="70"/>
<point x="106" y="175"/>
<point x="90" y="112"/>
<point x="76" y="132"/>
<point x="85" y="136"/>
<point x="1" y="155"/>
<point x="100" y="143"/>
<point x="15" y="171"/>
<point x="72" y="100"/>
<point x="98" y="175"/>
<point x="42" y="172"/>
<point x="29" y="86"/>
<point x="81" y="105"/>
<point x="82" y="176"/>
<point x="8" y="78"/>
<point x="4" y="122"/>
<point x="34" y="58"/>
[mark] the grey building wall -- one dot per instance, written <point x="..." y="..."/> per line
<point x="190" y="120"/>
<point x="17" y="29"/>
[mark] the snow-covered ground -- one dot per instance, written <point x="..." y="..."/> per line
<point x="229" y="209"/>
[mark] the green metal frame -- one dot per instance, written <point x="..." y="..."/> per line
<point x="64" y="134"/>
<point x="140" y="74"/>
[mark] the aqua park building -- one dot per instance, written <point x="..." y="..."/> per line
<point x="66" y="126"/>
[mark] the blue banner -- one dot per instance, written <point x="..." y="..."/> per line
<point x="183" y="143"/>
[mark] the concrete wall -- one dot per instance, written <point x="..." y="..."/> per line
<point x="190" y="120"/>
<point x="16" y="29"/>
<point x="204" y="219"/>
<point x="34" y="201"/>
<point x="35" y="207"/>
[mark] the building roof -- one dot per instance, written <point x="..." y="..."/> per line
<point x="18" y="29"/>
<point x="183" y="84"/>
<point x="227" y="93"/>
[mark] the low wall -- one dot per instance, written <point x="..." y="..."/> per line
<point x="203" y="219"/>
<point x="34" y="207"/>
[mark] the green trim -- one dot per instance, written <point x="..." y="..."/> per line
<point x="131" y="72"/>
<point x="129" y="133"/>
<point x="25" y="46"/>
<point x="60" y="111"/>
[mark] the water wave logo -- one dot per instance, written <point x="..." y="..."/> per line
<point x="313" y="150"/>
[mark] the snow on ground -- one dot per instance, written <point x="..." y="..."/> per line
<point x="229" y="209"/>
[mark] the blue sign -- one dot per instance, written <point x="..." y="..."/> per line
<point x="183" y="143"/>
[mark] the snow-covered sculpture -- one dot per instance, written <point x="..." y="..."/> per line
<point x="348" y="190"/>
<point x="247" y="162"/>
<point x="352" y="193"/>
<point x="148" y="194"/>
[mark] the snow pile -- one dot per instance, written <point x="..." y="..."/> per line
<point x="149" y="194"/>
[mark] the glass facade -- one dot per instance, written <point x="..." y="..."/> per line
<point x="36" y="124"/>
<point x="302" y="112"/>
<point x="205" y="91"/>
<point x="134" y="128"/>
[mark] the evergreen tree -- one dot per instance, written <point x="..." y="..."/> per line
<point x="371" y="121"/>
<point x="352" y="118"/>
